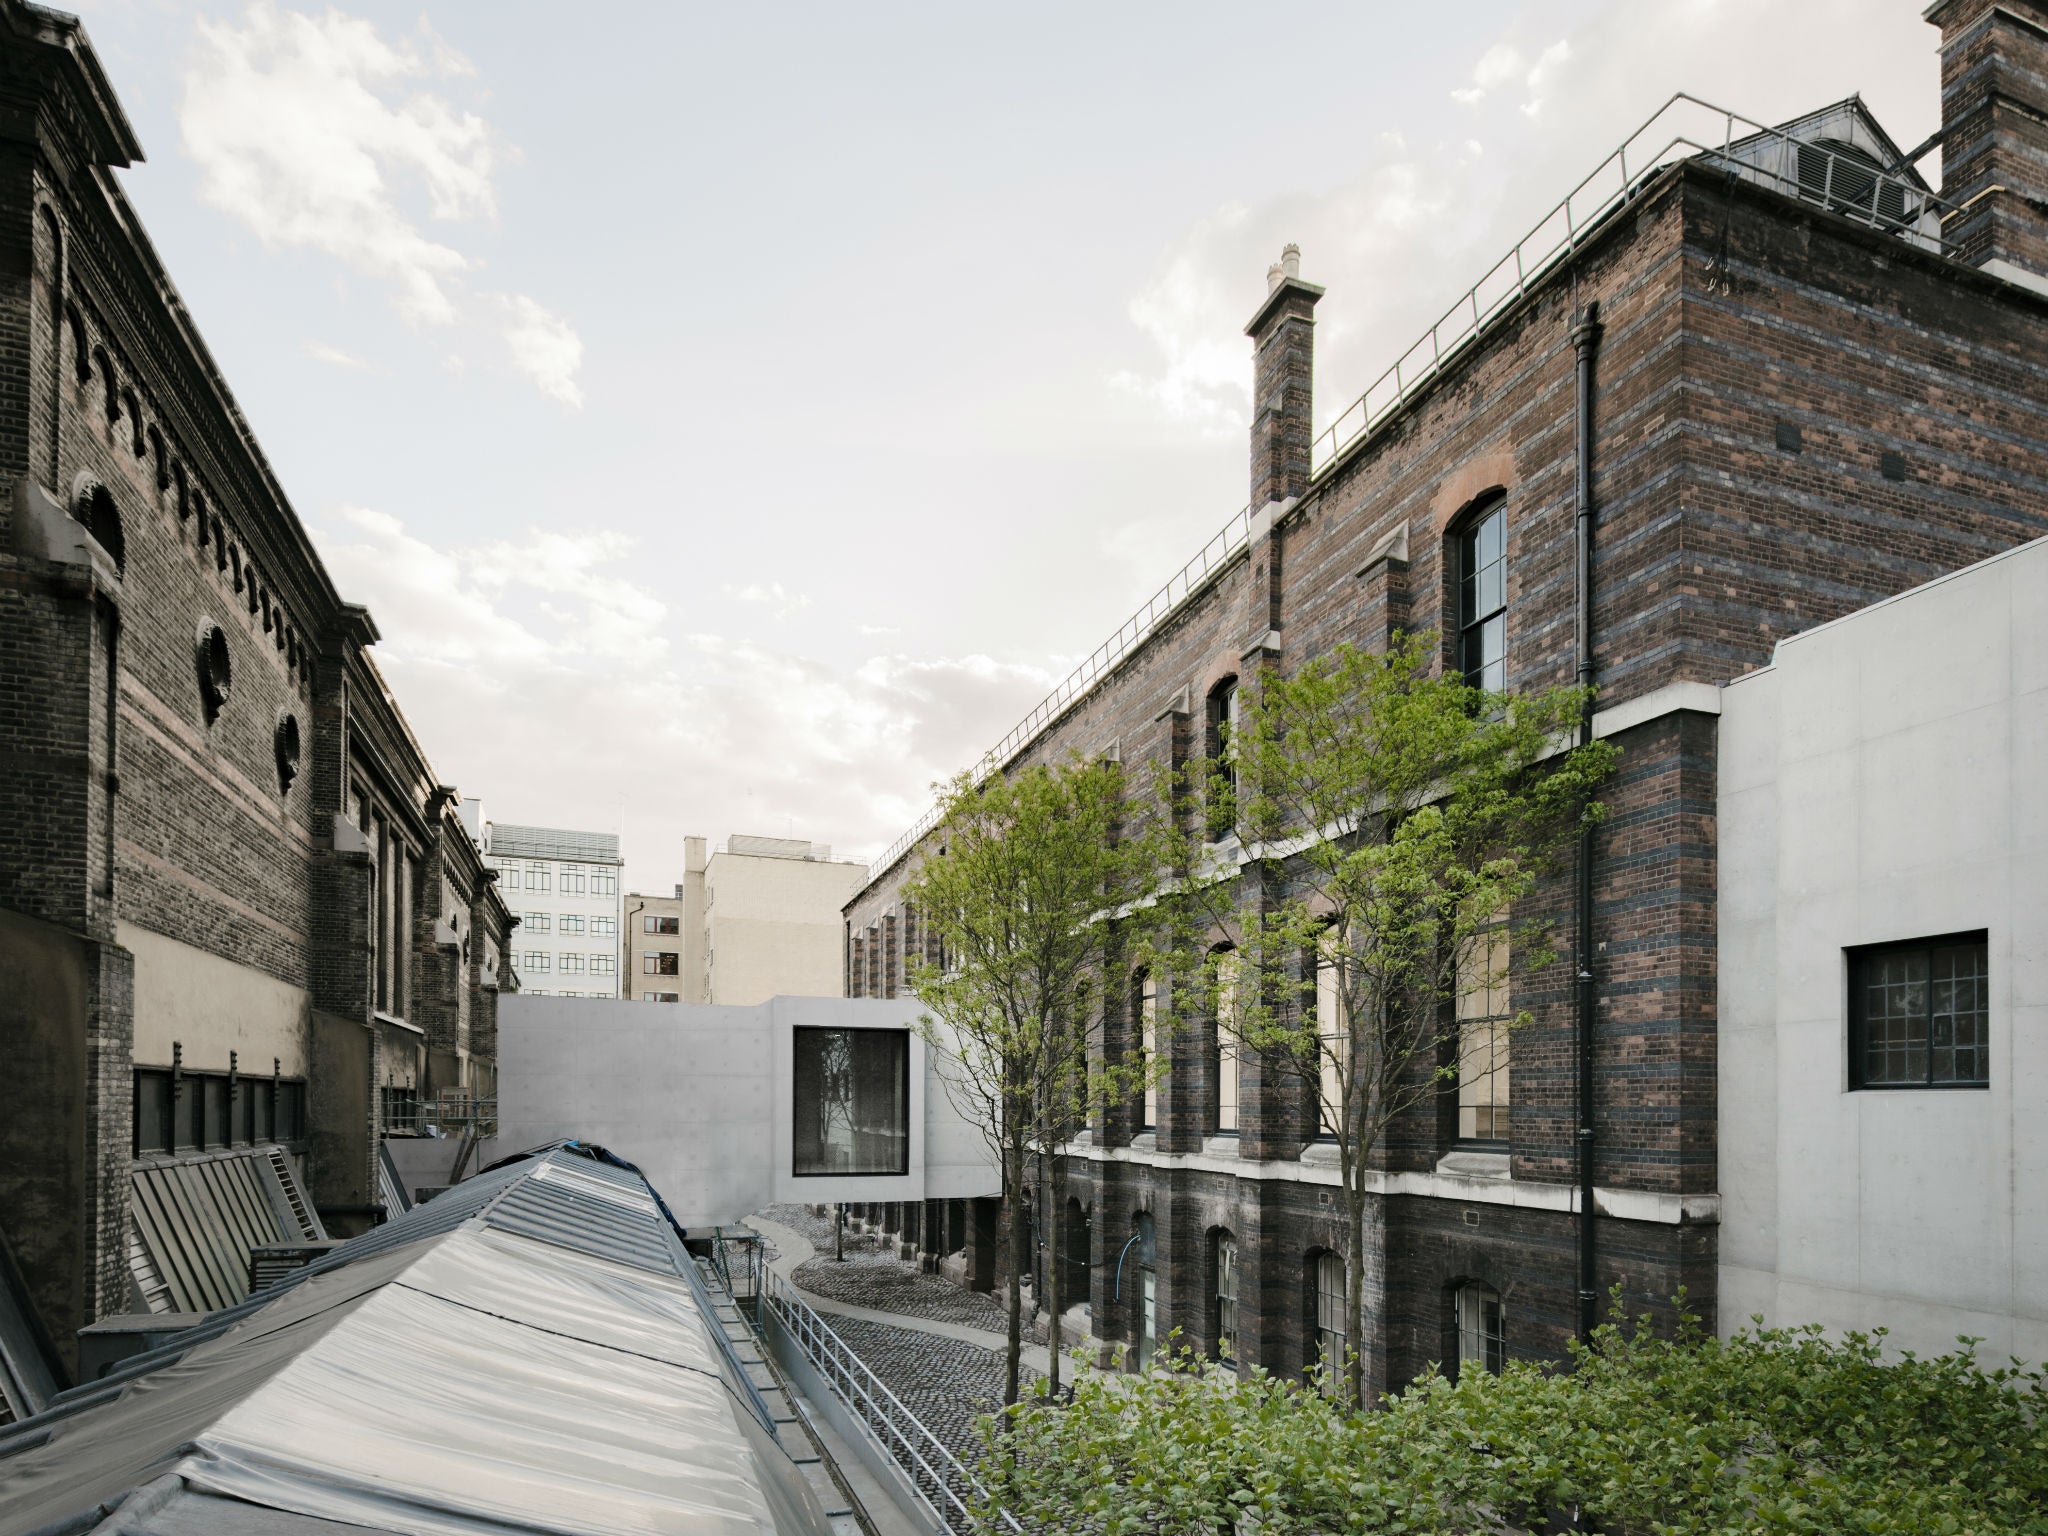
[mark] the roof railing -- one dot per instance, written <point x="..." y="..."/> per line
<point x="1685" y="127"/>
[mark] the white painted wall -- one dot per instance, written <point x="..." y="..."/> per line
<point x="1887" y="778"/>
<point x="700" y="1096"/>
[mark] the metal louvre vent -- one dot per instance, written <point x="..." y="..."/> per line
<point x="196" y="1219"/>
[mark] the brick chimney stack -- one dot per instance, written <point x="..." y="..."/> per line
<point x="1994" y="133"/>
<point x="1283" y="368"/>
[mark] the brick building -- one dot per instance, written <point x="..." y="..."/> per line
<point x="239" y="917"/>
<point x="1783" y="379"/>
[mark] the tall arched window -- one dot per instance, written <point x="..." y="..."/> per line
<point x="1221" y="750"/>
<point x="1483" y="599"/>
<point x="1327" y="1279"/>
<point x="1147" y="1288"/>
<point x="1482" y="1326"/>
<point x="1223" y="1268"/>
<point x="1145" y="1004"/>
<point x="1333" y="1038"/>
<point x="1227" y="977"/>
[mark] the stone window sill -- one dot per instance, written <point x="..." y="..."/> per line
<point x="1467" y="1163"/>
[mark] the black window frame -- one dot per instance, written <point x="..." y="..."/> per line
<point x="1221" y="713"/>
<point x="1472" y="621"/>
<point x="1856" y="958"/>
<point x="799" y="1166"/>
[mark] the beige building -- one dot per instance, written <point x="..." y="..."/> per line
<point x="758" y="918"/>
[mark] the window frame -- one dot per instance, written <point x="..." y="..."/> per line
<point x="1855" y="957"/>
<point x="1498" y="1026"/>
<point x="1327" y="1307"/>
<point x="1471" y="622"/>
<point x="1226" y="1051"/>
<point x="1145" y="1004"/>
<point x="1489" y="1345"/>
<point x="1222" y="712"/>
<point x="1223" y="1294"/>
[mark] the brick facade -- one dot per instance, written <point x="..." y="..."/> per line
<point x="167" y="825"/>
<point x="1795" y="416"/>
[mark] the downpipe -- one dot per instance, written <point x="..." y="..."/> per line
<point x="1586" y="342"/>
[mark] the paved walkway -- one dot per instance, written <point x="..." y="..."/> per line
<point x="793" y="1250"/>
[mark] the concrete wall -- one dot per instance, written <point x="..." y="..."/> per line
<point x="699" y="1096"/>
<point x="212" y="1005"/>
<point x="1882" y="781"/>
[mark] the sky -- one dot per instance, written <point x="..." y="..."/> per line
<point x="736" y="418"/>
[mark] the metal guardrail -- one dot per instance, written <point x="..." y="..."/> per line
<point x="450" y="1117"/>
<point x="1662" y="139"/>
<point x="1846" y="186"/>
<point x="1226" y="542"/>
<point x="950" y="1493"/>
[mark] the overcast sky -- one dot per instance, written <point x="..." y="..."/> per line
<point x="737" y="417"/>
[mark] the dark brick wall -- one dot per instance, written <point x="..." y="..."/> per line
<point x="1728" y="311"/>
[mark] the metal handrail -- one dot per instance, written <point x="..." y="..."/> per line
<point x="452" y="1117"/>
<point x="1133" y="632"/>
<point x="1556" y="236"/>
<point x="920" y="1452"/>
<point x="1559" y="232"/>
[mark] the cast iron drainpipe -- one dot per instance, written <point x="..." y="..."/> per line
<point x="1586" y="341"/>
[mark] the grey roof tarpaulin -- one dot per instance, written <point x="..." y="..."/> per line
<point x="478" y="1379"/>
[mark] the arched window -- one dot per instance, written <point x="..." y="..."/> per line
<point x="1221" y="750"/>
<point x="1326" y="1276"/>
<point x="1483" y="1038"/>
<point x="1223" y="1270"/>
<point x="1483" y="599"/>
<point x="1145" y="1005"/>
<point x="1482" y="1326"/>
<point x="1148" y="1289"/>
<point x="1226" y="972"/>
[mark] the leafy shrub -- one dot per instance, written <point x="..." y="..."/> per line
<point x="1773" y="1430"/>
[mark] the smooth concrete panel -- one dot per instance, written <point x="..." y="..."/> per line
<point x="1902" y="751"/>
<point x="212" y="1006"/>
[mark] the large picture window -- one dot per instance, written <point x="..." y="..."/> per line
<point x="852" y="1101"/>
<point x="1919" y="1014"/>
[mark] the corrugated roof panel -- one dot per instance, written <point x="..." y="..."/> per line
<point x="196" y="1218"/>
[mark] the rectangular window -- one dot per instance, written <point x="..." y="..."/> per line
<point x="660" y="997"/>
<point x="152" y="1112"/>
<point x="539" y="961"/>
<point x="537" y="922"/>
<point x="603" y="965"/>
<point x="852" y="1101"/>
<point x="604" y="885"/>
<point x="1483" y="1052"/>
<point x="1483" y="600"/>
<point x="604" y="928"/>
<point x="537" y="880"/>
<point x="1920" y="1013"/>
<point x="1330" y="1314"/>
<point x="572" y="922"/>
<point x="1333" y="1041"/>
<point x="572" y="882"/>
<point x="662" y="963"/>
<point x="1229" y="971"/>
<point x="662" y="924"/>
<point x="572" y="964"/>
<point x="1148" y="1045"/>
<point x="1226" y="1300"/>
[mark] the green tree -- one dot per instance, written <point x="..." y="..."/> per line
<point x="1391" y="819"/>
<point x="1021" y="891"/>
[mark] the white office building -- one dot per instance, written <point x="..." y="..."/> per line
<point x="563" y="886"/>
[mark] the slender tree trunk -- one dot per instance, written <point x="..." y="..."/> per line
<point x="1013" y="1347"/>
<point x="1055" y="1290"/>
<point x="1354" y="1287"/>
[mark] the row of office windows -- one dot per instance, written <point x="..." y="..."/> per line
<point x="180" y="1111"/>
<point x="569" y="880"/>
<point x="540" y="962"/>
<point x="570" y="922"/>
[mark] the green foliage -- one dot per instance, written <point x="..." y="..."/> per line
<point x="1773" y="1430"/>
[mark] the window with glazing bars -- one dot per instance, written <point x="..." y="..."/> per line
<point x="1329" y="1283"/>
<point x="1919" y="1013"/>
<point x="1483" y="599"/>
<point x="1482" y="1327"/>
<point x="1483" y="1039"/>
<point x="1228" y="974"/>
<point x="1226" y="1297"/>
<point x="1147" y="1000"/>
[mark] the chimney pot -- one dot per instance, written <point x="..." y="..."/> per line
<point x="1290" y="259"/>
<point x="1273" y="276"/>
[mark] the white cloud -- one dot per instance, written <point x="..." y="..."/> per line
<point x="772" y="596"/>
<point x="320" y="352"/>
<point x="1429" y="213"/>
<point x="544" y="348"/>
<point x="319" y="133"/>
<point x="542" y="676"/>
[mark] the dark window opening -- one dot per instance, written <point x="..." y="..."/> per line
<point x="1483" y="600"/>
<point x="1790" y="439"/>
<point x="203" y="1111"/>
<point x="1221" y="750"/>
<point x="852" y="1101"/>
<point x="1920" y="1013"/>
